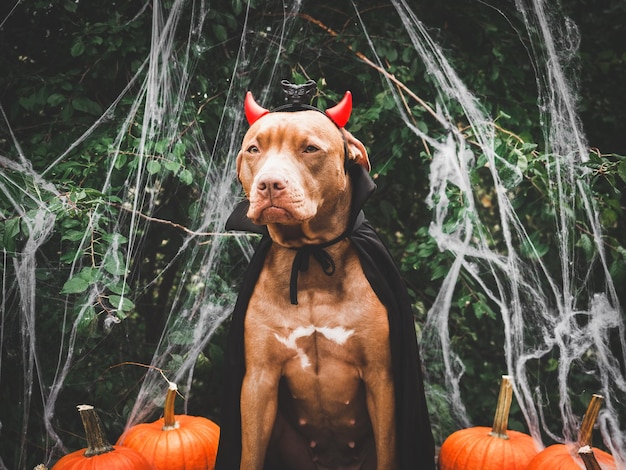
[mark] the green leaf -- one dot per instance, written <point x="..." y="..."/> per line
<point x="587" y="245"/>
<point x="114" y="264"/>
<point x="114" y="238"/>
<point x="237" y="6"/>
<point x="89" y="274"/>
<point x="88" y="320"/>
<point x="161" y="146"/>
<point x="621" y="170"/>
<point x="172" y="166"/>
<point x="27" y="102"/>
<point x="70" y="256"/>
<point x="121" y="303"/>
<point x="609" y="217"/>
<point x="533" y="247"/>
<point x="220" y="32"/>
<point x="119" y="288"/>
<point x="120" y="160"/>
<point x="73" y="235"/>
<point x="522" y="163"/>
<point x="153" y="167"/>
<point x="11" y="230"/>
<point x="179" y="149"/>
<point x="78" y="48"/>
<point x="618" y="268"/>
<point x="75" y="285"/>
<point x="81" y="103"/>
<point x="76" y="196"/>
<point x="70" y="6"/>
<point x="186" y="177"/>
<point x="55" y="99"/>
<point x="181" y="338"/>
<point x="481" y="306"/>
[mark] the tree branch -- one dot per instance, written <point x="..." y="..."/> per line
<point x="176" y="225"/>
<point x="375" y="66"/>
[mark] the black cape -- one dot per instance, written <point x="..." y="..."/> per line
<point x="415" y="444"/>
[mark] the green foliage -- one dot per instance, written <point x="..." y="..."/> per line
<point x="602" y="57"/>
<point x="66" y="63"/>
<point x="64" y="66"/>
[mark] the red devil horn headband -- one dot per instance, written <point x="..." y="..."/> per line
<point x="339" y="114"/>
<point x="254" y="110"/>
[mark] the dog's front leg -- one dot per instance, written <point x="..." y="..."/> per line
<point x="381" y="407"/>
<point x="259" y="402"/>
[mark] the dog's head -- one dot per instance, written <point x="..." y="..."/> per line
<point x="292" y="166"/>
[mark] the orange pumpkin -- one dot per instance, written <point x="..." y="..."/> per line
<point x="99" y="453"/>
<point x="175" y="442"/>
<point x="572" y="455"/>
<point x="589" y="458"/>
<point x="564" y="457"/>
<point x="484" y="448"/>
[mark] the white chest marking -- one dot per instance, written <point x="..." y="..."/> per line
<point x="338" y="335"/>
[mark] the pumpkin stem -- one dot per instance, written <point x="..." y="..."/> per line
<point x="168" y="409"/>
<point x="501" y="417"/>
<point x="588" y="458"/>
<point x="97" y="442"/>
<point x="589" y="420"/>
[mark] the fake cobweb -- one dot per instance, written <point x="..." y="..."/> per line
<point x="540" y="315"/>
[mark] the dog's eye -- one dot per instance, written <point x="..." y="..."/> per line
<point x="253" y="149"/>
<point x="311" y="149"/>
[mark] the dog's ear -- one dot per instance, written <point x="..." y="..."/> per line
<point x="357" y="152"/>
<point x="238" y="163"/>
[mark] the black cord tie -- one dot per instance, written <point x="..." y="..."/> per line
<point x="301" y="264"/>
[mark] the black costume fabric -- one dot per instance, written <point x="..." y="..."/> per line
<point x="415" y="445"/>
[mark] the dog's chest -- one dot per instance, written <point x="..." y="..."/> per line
<point x="330" y="328"/>
<point x="311" y="348"/>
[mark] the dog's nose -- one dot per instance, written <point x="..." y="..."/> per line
<point x="271" y="185"/>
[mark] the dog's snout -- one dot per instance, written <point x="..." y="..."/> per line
<point x="271" y="184"/>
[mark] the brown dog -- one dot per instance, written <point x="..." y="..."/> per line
<point x="318" y="388"/>
<point x="332" y="349"/>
